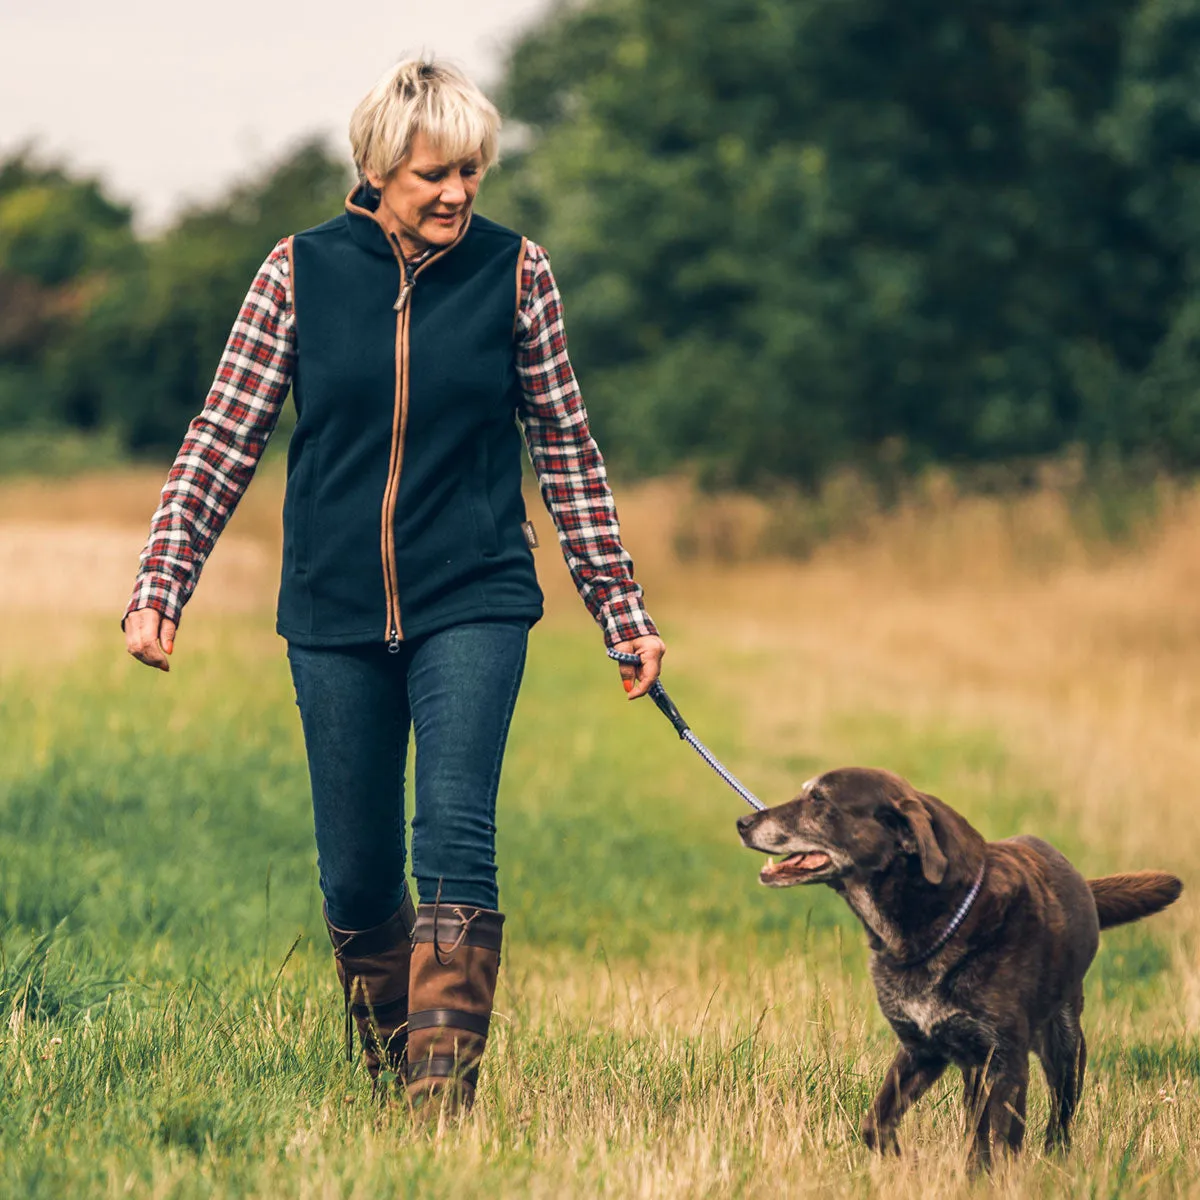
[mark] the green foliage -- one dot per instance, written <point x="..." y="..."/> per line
<point x="54" y="229"/>
<point x="793" y="236"/>
<point x="100" y="331"/>
<point x="62" y="241"/>
<point x="157" y="336"/>
<point x="792" y="233"/>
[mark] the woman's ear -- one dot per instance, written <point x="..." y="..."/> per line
<point x="916" y="815"/>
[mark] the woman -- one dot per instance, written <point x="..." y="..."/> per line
<point x="411" y="333"/>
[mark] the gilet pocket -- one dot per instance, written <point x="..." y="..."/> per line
<point x="300" y="505"/>
<point x="481" y="505"/>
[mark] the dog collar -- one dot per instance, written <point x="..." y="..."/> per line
<point x="952" y="928"/>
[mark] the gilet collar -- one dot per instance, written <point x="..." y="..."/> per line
<point x="368" y="232"/>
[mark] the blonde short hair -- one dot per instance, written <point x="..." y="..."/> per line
<point x="422" y="96"/>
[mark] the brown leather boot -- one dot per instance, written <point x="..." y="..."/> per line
<point x="373" y="966"/>
<point x="452" y="982"/>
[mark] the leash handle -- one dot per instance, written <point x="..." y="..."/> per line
<point x="657" y="693"/>
<point x="666" y="706"/>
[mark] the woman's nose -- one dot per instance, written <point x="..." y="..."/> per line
<point x="454" y="192"/>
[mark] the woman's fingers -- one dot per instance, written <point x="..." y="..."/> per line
<point x="639" y="680"/>
<point x="166" y="636"/>
<point x="651" y="651"/>
<point x="628" y="673"/>
<point x="143" y="630"/>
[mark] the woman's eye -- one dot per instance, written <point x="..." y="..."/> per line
<point x="434" y="177"/>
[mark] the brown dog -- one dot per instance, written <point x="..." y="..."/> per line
<point x="979" y="948"/>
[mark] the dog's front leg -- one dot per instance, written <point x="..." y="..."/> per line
<point x="1006" y="1107"/>
<point x="995" y="1101"/>
<point x="907" y="1080"/>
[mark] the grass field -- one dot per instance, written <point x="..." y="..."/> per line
<point x="666" y="1027"/>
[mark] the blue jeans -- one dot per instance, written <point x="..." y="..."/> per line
<point x="456" y="689"/>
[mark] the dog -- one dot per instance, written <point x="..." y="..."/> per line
<point x="979" y="948"/>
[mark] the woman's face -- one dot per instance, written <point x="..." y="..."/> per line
<point x="427" y="198"/>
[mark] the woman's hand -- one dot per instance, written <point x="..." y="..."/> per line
<point x="149" y="638"/>
<point x="650" y="650"/>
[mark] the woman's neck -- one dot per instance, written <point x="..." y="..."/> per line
<point x="398" y="234"/>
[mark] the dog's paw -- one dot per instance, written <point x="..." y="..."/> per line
<point x="882" y="1141"/>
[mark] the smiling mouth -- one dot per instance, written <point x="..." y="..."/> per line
<point x="796" y="868"/>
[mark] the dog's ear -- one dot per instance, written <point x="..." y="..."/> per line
<point x="933" y="861"/>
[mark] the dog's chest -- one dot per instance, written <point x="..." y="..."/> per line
<point x="926" y="1012"/>
<point x="921" y="1017"/>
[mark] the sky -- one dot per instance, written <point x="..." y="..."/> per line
<point x="170" y="103"/>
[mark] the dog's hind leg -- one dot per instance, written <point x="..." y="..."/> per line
<point x="1063" y="1052"/>
<point x="907" y="1080"/>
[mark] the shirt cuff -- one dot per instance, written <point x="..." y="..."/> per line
<point x="626" y="619"/>
<point x="162" y="593"/>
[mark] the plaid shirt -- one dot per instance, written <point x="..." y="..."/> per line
<point x="225" y="442"/>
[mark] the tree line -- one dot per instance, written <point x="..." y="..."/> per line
<point x="791" y="235"/>
<point x="101" y="330"/>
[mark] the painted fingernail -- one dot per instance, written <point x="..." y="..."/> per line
<point x="628" y="684"/>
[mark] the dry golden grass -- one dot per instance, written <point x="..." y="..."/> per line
<point x="1083" y="662"/>
<point x="995" y="610"/>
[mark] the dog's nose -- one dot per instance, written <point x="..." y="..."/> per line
<point x="745" y="822"/>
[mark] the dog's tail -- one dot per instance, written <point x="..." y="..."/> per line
<point x="1123" y="898"/>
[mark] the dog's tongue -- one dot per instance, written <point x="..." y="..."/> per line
<point x="795" y="865"/>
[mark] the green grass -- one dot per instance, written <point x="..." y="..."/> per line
<point x="57" y="451"/>
<point x="169" y="1023"/>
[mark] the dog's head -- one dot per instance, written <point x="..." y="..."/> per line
<point x="851" y="823"/>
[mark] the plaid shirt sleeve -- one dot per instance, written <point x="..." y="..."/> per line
<point x="567" y="460"/>
<point x="223" y="444"/>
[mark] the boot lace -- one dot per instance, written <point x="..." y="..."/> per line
<point x="465" y="920"/>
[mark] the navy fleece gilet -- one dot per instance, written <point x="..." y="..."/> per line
<point x="406" y="431"/>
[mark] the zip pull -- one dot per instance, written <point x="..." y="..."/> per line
<point x="393" y="642"/>
<point x="409" y="277"/>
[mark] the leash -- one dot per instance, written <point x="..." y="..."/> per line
<point x="666" y="706"/>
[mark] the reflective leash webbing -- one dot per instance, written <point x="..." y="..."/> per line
<point x="658" y="694"/>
